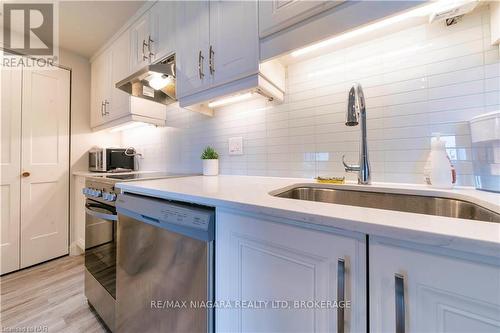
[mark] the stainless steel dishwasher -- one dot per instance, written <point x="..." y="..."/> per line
<point x="165" y="266"/>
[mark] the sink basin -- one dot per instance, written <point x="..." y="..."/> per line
<point x="393" y="201"/>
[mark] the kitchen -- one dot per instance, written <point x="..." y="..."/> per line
<point x="255" y="166"/>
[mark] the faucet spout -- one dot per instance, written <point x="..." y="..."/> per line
<point x="356" y="114"/>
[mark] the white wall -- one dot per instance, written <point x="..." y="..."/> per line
<point x="82" y="138"/>
<point x="422" y="80"/>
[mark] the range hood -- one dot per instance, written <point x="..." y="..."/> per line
<point x="154" y="82"/>
<point x="268" y="82"/>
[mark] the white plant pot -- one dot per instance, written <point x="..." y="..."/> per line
<point x="210" y="167"/>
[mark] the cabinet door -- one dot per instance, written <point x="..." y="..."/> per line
<point x="192" y="47"/>
<point x="163" y="29"/>
<point x="440" y="294"/>
<point x="139" y="34"/>
<point x="234" y="40"/>
<point x="100" y="77"/>
<point x="10" y="112"/>
<point x="45" y="155"/>
<point x="119" y="105"/>
<point x="276" y="15"/>
<point x="263" y="260"/>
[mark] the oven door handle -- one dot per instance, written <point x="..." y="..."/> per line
<point x="99" y="215"/>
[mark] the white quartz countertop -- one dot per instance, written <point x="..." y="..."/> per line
<point x="251" y="194"/>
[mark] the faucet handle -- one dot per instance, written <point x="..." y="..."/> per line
<point x="350" y="168"/>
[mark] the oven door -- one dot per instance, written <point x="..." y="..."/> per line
<point x="100" y="243"/>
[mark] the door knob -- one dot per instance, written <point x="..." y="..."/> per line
<point x="25" y="174"/>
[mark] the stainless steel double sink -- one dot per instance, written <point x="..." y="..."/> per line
<point x="420" y="204"/>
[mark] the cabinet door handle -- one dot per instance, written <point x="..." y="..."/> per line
<point x="200" y="66"/>
<point x="102" y="108"/>
<point x="149" y="47"/>
<point x="211" y="58"/>
<point x="26" y="174"/>
<point x="144" y="56"/>
<point x="340" y="295"/>
<point x="106" y="103"/>
<point x="399" y="290"/>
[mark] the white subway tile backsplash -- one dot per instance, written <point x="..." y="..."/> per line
<point x="425" y="79"/>
<point x="465" y="75"/>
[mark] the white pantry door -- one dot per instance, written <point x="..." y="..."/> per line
<point x="45" y="164"/>
<point x="10" y="110"/>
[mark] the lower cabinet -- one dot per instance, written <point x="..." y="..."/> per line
<point x="269" y="272"/>
<point x="271" y="276"/>
<point x="417" y="291"/>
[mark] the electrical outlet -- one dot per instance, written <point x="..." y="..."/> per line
<point x="236" y="146"/>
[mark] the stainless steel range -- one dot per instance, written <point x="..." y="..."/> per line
<point x="101" y="239"/>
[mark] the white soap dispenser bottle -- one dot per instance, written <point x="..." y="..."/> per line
<point x="439" y="171"/>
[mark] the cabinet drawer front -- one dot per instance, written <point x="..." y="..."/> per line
<point x="440" y="294"/>
<point x="285" y="265"/>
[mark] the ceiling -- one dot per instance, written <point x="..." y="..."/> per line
<point x="85" y="26"/>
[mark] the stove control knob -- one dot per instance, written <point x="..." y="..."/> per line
<point x="105" y="196"/>
<point x="112" y="197"/>
<point x="94" y="193"/>
<point x="85" y="191"/>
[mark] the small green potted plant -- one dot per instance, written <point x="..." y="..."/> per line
<point x="210" y="162"/>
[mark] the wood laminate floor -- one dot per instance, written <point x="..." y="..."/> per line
<point x="48" y="296"/>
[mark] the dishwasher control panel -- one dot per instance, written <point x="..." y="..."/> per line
<point x="186" y="217"/>
<point x="168" y="214"/>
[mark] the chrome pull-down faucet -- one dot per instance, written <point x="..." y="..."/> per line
<point x="356" y="114"/>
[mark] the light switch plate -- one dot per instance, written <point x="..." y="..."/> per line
<point x="236" y="146"/>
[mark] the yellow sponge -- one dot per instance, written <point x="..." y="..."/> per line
<point x="331" y="180"/>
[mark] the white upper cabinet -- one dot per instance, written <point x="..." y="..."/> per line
<point x="110" y="105"/>
<point x="120" y="68"/>
<point x="107" y="102"/>
<point x="258" y="259"/>
<point x="413" y="291"/>
<point x="148" y="39"/>
<point x="217" y="44"/>
<point x="276" y="15"/>
<point x="152" y="36"/>
<point x="140" y="39"/>
<point x="100" y="88"/>
<point x="234" y="43"/>
<point x="285" y="26"/>
<point x="163" y="29"/>
<point x="192" y="47"/>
